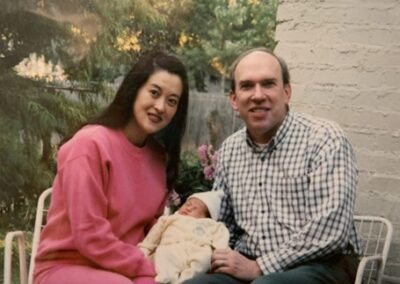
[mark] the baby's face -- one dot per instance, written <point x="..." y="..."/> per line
<point x="194" y="207"/>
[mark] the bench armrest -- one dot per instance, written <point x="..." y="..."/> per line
<point x="19" y="236"/>
<point x="364" y="261"/>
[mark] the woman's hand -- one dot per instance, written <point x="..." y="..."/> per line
<point x="233" y="263"/>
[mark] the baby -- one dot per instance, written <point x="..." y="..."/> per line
<point x="181" y="244"/>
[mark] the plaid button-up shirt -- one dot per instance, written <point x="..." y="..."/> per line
<point x="293" y="200"/>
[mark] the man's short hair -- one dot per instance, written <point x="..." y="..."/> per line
<point x="281" y="61"/>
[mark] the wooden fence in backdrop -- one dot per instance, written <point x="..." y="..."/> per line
<point x="210" y="120"/>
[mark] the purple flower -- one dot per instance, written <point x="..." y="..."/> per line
<point x="208" y="160"/>
<point x="203" y="156"/>
<point x="173" y="199"/>
<point x="209" y="172"/>
<point x="214" y="159"/>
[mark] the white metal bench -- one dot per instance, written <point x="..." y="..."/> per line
<point x="26" y="276"/>
<point x="375" y="232"/>
<point x="376" y="235"/>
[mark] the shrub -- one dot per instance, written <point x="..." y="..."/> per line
<point x="196" y="174"/>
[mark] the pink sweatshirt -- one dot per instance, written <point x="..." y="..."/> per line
<point x="106" y="196"/>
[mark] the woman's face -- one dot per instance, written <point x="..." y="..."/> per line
<point x="156" y="104"/>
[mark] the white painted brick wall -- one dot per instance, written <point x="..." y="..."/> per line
<point x="344" y="57"/>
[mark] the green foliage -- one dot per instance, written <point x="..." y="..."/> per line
<point x="147" y="24"/>
<point x="191" y="177"/>
<point x="29" y="117"/>
<point x="23" y="32"/>
<point x="220" y="30"/>
<point x="34" y="113"/>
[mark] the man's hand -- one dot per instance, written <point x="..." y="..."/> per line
<point x="233" y="263"/>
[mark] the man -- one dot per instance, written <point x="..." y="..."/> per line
<point x="290" y="182"/>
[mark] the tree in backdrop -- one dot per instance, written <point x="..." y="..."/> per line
<point x="54" y="74"/>
<point x="30" y="112"/>
<point x="219" y="30"/>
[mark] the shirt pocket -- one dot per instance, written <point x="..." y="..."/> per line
<point x="289" y="201"/>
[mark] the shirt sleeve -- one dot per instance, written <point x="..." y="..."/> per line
<point x="153" y="238"/>
<point x="332" y="182"/>
<point x="83" y="178"/>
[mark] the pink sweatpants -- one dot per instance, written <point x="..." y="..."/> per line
<point x="79" y="274"/>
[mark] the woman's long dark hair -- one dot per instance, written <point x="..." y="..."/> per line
<point x="120" y="111"/>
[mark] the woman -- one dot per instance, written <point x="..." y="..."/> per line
<point x="113" y="177"/>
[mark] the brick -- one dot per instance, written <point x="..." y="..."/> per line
<point x="384" y="187"/>
<point x="371" y="203"/>
<point x="379" y="162"/>
<point x="381" y="56"/>
<point x="324" y="53"/>
<point x="380" y="14"/>
<point x="378" y="99"/>
<point x="371" y="36"/>
<point x="373" y="140"/>
<point x="353" y="117"/>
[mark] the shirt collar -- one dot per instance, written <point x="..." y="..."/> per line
<point x="276" y="140"/>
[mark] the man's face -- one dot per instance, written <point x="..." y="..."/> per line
<point x="260" y="96"/>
